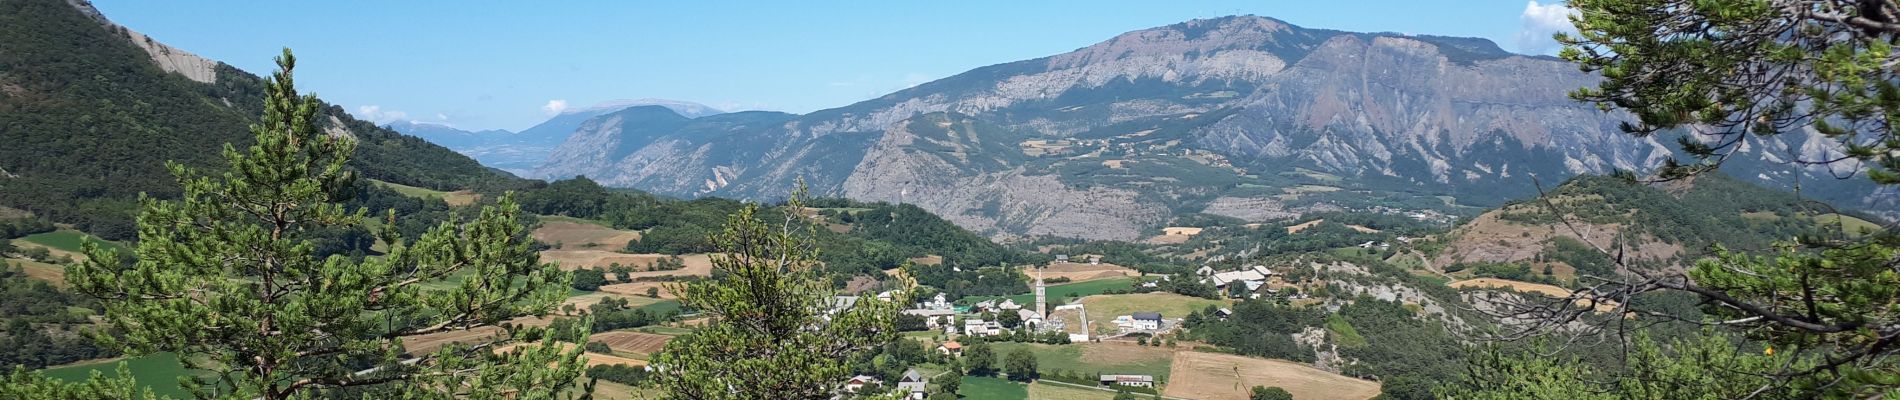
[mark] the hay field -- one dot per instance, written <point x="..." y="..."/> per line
<point x="1210" y="376"/>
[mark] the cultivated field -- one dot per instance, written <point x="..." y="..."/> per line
<point x="1096" y="358"/>
<point x="571" y="235"/>
<point x="1302" y="226"/>
<point x="1103" y="309"/>
<point x="638" y="289"/>
<point x="42" y="271"/>
<point x="454" y="199"/>
<point x="1210" y="376"/>
<point x="158" y="372"/>
<point x="591" y="358"/>
<point x="696" y="264"/>
<point x="1079" y="272"/>
<point x="632" y="342"/>
<point x="987" y="388"/>
<point x="1050" y="391"/>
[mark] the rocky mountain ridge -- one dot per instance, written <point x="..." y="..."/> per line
<point x="1112" y="139"/>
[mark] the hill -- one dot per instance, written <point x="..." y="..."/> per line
<point x="1226" y="116"/>
<point x="1659" y="225"/>
<point x="94" y="110"/>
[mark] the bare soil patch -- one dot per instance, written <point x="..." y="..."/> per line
<point x="577" y="236"/>
<point x="639" y="289"/>
<point x="1078" y="272"/>
<point x="592" y="359"/>
<point x="1303" y="226"/>
<point x="632" y="342"/>
<point x="1527" y="287"/>
<point x="696" y="264"/>
<point x="1210" y="376"/>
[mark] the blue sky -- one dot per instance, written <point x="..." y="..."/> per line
<point x="506" y="65"/>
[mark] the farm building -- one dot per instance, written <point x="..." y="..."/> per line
<point x="1140" y="321"/>
<point x="979" y="327"/>
<point x="913" y="384"/>
<point x="1146" y="381"/>
<point x="950" y="348"/>
<point x="1030" y="318"/>
<point x="857" y="383"/>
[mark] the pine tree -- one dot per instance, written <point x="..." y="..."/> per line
<point x="227" y="278"/>
<point x="777" y="330"/>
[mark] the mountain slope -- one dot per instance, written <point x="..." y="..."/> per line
<point x="1652" y="226"/>
<point x="521" y="152"/>
<point x="93" y="111"/>
<point x="1237" y="115"/>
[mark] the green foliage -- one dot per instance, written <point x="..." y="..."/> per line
<point x="1268" y="393"/>
<point x="612" y="313"/>
<point x="1701" y="367"/>
<point x="775" y="329"/>
<point x="38" y="321"/>
<point x="588" y="279"/>
<point x="617" y="373"/>
<point x="228" y="277"/>
<point x="1020" y="364"/>
<point x="1774" y="67"/>
<point x="948" y="382"/>
<point x="93" y="121"/>
<point x="979" y="359"/>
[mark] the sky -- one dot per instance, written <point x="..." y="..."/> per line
<point x="509" y="65"/>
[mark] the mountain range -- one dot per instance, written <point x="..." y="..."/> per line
<point x="1246" y="116"/>
<point x="521" y="152"/>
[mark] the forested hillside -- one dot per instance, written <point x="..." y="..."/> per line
<point x="88" y="120"/>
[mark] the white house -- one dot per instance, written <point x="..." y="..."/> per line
<point x="931" y="316"/>
<point x="1009" y="304"/>
<point x="979" y="327"/>
<point x="1030" y="318"/>
<point x="913" y="384"/>
<point x="859" y="382"/>
<point x="940" y="302"/>
<point x="1146" y="320"/>
<point x="1146" y="381"/>
<point x="950" y="348"/>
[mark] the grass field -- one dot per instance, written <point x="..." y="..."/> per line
<point x="1048" y="391"/>
<point x="1854" y="227"/>
<point x="457" y="198"/>
<point x="1102" y="309"/>
<point x="1096" y="358"/>
<point x="992" y="389"/>
<point x="1212" y="376"/>
<point x="1069" y="290"/>
<point x="42" y="271"/>
<point x="158" y="371"/>
<point x="69" y="240"/>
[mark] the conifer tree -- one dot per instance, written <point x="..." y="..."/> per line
<point x="777" y="331"/>
<point x="227" y="277"/>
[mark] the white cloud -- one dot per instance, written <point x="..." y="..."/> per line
<point x="376" y="114"/>
<point x="1540" y="22"/>
<point x="555" y="106"/>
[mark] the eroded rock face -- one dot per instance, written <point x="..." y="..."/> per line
<point x="171" y="59"/>
<point x="1438" y="115"/>
<point x="1000" y="203"/>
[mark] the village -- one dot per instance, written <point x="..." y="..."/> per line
<point x="1141" y="323"/>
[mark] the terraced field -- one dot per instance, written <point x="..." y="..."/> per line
<point x="1210" y="376"/>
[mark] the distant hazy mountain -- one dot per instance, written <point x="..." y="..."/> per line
<point x="521" y="152"/>
<point x="445" y="135"/>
